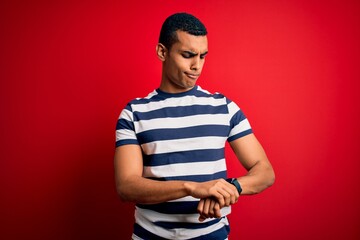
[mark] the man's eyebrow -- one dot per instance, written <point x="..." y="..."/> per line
<point x="194" y="54"/>
<point x="191" y="53"/>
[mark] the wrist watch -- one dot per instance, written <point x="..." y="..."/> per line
<point x="235" y="182"/>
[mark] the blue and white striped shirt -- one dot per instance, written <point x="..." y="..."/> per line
<point x="182" y="137"/>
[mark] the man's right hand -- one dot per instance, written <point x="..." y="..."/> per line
<point x="220" y="190"/>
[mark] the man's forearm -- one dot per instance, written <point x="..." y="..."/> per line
<point x="146" y="191"/>
<point x="259" y="177"/>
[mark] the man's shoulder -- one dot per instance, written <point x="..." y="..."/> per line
<point x="152" y="96"/>
<point x="215" y="95"/>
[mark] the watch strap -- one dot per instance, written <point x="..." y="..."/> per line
<point x="236" y="183"/>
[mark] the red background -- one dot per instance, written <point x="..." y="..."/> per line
<point x="67" y="68"/>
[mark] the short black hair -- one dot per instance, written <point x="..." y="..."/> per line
<point x="183" y="22"/>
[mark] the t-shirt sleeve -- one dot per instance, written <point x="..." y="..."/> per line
<point x="239" y="124"/>
<point x="125" y="129"/>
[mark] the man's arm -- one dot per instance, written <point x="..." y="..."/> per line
<point x="252" y="156"/>
<point x="259" y="177"/>
<point x="131" y="186"/>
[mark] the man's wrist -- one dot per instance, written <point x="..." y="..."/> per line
<point x="189" y="188"/>
<point x="236" y="183"/>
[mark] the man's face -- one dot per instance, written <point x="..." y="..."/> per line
<point x="184" y="62"/>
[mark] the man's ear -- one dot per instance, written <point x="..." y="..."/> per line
<point x="161" y="52"/>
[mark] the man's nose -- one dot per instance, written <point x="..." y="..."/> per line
<point x="196" y="63"/>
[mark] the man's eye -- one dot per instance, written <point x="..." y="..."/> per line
<point x="202" y="56"/>
<point x="186" y="55"/>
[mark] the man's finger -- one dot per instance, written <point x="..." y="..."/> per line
<point x="200" y="207"/>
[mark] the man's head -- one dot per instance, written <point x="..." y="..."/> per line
<point x="183" y="22"/>
<point x="182" y="49"/>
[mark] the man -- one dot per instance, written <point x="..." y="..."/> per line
<point x="170" y="145"/>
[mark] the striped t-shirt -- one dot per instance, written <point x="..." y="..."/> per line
<point x="182" y="137"/>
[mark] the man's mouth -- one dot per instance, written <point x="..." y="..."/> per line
<point x="192" y="75"/>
